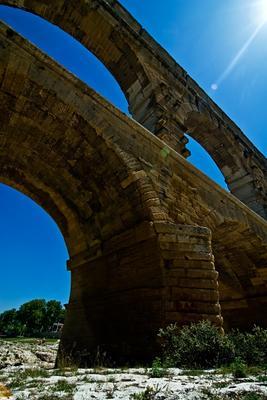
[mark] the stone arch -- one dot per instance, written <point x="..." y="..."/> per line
<point x="140" y="262"/>
<point x="66" y="51"/>
<point x="102" y="27"/>
<point x="77" y="176"/>
<point x="95" y="170"/>
<point x="242" y="165"/>
<point x="34" y="252"/>
<point x="93" y="203"/>
<point x="93" y="241"/>
<point x="96" y="29"/>
<point x="57" y="147"/>
<point x="161" y="95"/>
<point x="53" y="203"/>
<point x="227" y="153"/>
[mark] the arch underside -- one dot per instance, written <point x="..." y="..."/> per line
<point x="130" y="210"/>
<point x="241" y="260"/>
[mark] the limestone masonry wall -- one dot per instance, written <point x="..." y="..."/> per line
<point x="151" y="239"/>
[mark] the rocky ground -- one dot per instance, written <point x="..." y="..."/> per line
<point x="26" y="372"/>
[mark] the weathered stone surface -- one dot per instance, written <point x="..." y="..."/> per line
<point x="17" y="354"/>
<point x="147" y="233"/>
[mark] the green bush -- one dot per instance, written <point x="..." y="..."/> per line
<point x="253" y="396"/>
<point x="238" y="368"/>
<point x="148" y="394"/>
<point x="251" y="347"/>
<point x="199" y="345"/>
<point x="158" y="369"/>
<point x="19" y="378"/>
<point x="63" y="385"/>
<point x="262" y="378"/>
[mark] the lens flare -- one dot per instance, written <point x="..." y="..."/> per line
<point x="259" y="9"/>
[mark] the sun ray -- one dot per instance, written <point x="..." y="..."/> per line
<point x="261" y="7"/>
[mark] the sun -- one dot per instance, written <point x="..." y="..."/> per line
<point x="261" y="11"/>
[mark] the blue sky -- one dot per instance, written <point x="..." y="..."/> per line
<point x="205" y="37"/>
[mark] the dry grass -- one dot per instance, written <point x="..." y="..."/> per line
<point x="4" y="392"/>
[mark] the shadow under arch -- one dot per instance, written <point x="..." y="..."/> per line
<point x="240" y="269"/>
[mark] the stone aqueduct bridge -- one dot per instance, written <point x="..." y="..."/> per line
<point x="147" y="233"/>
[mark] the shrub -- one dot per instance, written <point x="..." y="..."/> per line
<point x="262" y="378"/>
<point x="238" y="368"/>
<point x="148" y="394"/>
<point x="199" y="345"/>
<point x="250" y="346"/>
<point x="253" y="396"/>
<point x="47" y="396"/>
<point x="63" y="385"/>
<point x="21" y="377"/>
<point x="158" y="369"/>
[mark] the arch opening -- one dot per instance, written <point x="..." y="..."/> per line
<point x="33" y="256"/>
<point x="202" y="160"/>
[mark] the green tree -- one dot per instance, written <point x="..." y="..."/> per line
<point x="9" y="323"/>
<point x="54" y="313"/>
<point x="32" y="314"/>
<point x="32" y="318"/>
